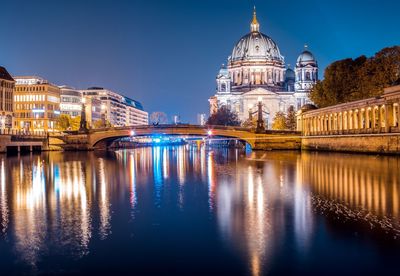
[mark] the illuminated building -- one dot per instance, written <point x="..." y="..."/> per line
<point x="37" y="104"/>
<point x="176" y="119"/>
<point x="201" y="119"/>
<point x="256" y="70"/>
<point x="7" y="84"/>
<point x="71" y="101"/>
<point x="92" y="110"/>
<point x="116" y="109"/>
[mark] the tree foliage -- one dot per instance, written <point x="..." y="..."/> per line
<point x="158" y="118"/>
<point x="250" y="123"/>
<point x="291" y="119"/>
<point x="223" y="117"/>
<point x="65" y="122"/>
<point x="355" y="79"/>
<point x="279" y="122"/>
<point x="62" y="122"/>
<point x="75" y="123"/>
<point x="101" y="124"/>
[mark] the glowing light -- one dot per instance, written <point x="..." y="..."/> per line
<point x="156" y="140"/>
<point x="259" y="99"/>
<point x="209" y="132"/>
<point x="133" y="133"/>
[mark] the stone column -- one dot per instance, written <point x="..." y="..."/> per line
<point x="350" y="120"/>
<point x="356" y="115"/>
<point x="389" y="116"/>
<point x="378" y="120"/>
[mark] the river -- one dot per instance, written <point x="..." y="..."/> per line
<point x="184" y="210"/>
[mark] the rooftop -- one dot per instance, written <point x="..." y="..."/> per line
<point x="4" y="74"/>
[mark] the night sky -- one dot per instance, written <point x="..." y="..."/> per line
<point x="166" y="53"/>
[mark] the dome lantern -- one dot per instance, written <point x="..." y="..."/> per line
<point x="254" y="26"/>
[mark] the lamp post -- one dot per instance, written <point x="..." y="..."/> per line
<point x="83" y="123"/>
<point x="260" y="122"/>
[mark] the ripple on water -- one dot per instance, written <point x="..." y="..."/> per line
<point x="342" y="212"/>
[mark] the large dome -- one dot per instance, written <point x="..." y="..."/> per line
<point x="256" y="46"/>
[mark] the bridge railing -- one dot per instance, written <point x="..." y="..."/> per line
<point x="166" y="126"/>
<point x="24" y="133"/>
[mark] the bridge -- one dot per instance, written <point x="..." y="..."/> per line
<point x="103" y="138"/>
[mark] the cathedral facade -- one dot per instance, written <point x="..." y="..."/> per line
<point x="256" y="71"/>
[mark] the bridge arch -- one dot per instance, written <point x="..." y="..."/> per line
<point x="102" y="138"/>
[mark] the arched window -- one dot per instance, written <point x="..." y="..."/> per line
<point x="223" y="87"/>
<point x="308" y="76"/>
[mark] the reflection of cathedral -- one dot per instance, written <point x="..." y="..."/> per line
<point x="256" y="71"/>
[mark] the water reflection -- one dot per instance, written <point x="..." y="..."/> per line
<point x="364" y="185"/>
<point x="62" y="204"/>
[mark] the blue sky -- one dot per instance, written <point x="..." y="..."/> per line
<point x="166" y="53"/>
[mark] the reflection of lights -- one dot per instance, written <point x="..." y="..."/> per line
<point x="104" y="205"/>
<point x="3" y="198"/>
<point x="157" y="173"/>
<point x="132" y="163"/>
<point x="250" y="184"/>
<point x="156" y="140"/>
<point x="211" y="180"/>
<point x="29" y="213"/>
<point x="165" y="163"/>
<point x="181" y="165"/>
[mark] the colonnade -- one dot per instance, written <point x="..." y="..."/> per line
<point x="380" y="115"/>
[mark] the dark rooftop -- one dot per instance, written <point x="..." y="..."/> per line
<point x="4" y="74"/>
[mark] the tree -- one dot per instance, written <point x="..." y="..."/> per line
<point x="291" y="119"/>
<point x="223" y="117"/>
<point x="75" y="123"/>
<point x="279" y="122"/>
<point x="250" y="123"/>
<point x="355" y="79"/>
<point x="158" y="118"/>
<point x="63" y="122"/>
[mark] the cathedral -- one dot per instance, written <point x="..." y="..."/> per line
<point x="256" y="71"/>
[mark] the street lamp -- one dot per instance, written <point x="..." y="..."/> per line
<point x="260" y="122"/>
<point x="250" y="112"/>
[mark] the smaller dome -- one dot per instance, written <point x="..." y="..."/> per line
<point x="289" y="74"/>
<point x="306" y="57"/>
<point x="223" y="72"/>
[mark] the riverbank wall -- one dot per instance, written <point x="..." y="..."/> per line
<point x="385" y="143"/>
